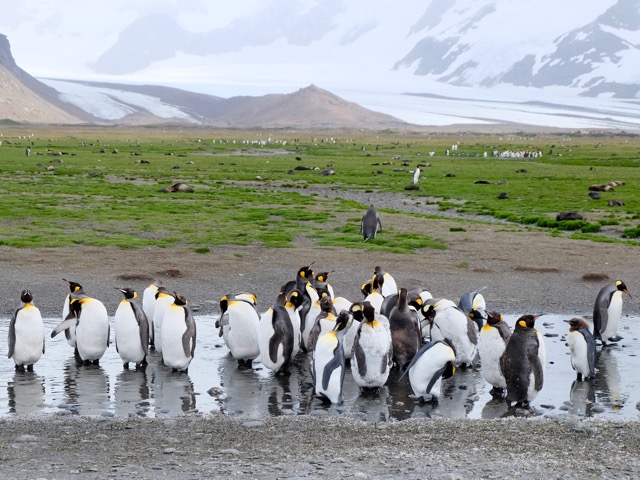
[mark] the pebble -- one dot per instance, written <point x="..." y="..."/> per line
<point x="597" y="408"/>
<point x="169" y="450"/>
<point x="27" y="438"/>
<point x="253" y="424"/>
<point x="229" y="451"/>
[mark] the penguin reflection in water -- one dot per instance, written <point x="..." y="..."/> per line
<point x="582" y="346"/>
<point x="607" y="312"/>
<point x="523" y="362"/>
<point x="26" y="334"/>
<point x="328" y="363"/>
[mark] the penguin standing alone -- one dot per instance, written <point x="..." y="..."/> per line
<point x="328" y="363"/>
<point x="372" y="355"/>
<point x="26" y="334"/>
<point x="522" y="362"/>
<point x="493" y="340"/>
<point x="433" y="362"/>
<point x="370" y="223"/>
<point x="178" y="335"/>
<point x="607" y="311"/>
<point x="582" y="346"/>
<point x="131" y="331"/>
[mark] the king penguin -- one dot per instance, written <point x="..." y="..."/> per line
<point x="26" y="334"/>
<point x="328" y="363"/>
<point x="405" y="331"/>
<point x="178" y="335"/>
<point x="522" y="362"/>
<point x="370" y="224"/>
<point x="388" y="285"/>
<point x="372" y="355"/>
<point x="91" y="320"/>
<point x="276" y="336"/>
<point x="292" y="306"/>
<point x="239" y="327"/>
<point x="607" y="311"/>
<point x="449" y="322"/>
<point x="433" y="362"/>
<point x="149" y="306"/>
<point x="70" y="333"/>
<point x="582" y="346"/>
<point x="163" y="300"/>
<point x="324" y="322"/>
<point x="493" y="340"/>
<point x="131" y="330"/>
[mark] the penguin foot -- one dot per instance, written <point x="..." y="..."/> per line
<point x="615" y="339"/>
<point x="370" y="390"/>
<point x="497" y="392"/>
<point x="30" y="368"/>
<point x="96" y="362"/>
<point x="245" y="364"/>
<point x="19" y="368"/>
<point x="125" y="365"/>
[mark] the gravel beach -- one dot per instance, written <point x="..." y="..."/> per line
<point x="525" y="270"/>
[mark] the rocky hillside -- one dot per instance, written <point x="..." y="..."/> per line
<point x="26" y="99"/>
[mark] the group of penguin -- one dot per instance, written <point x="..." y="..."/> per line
<point x="423" y="337"/>
<point x="407" y="329"/>
<point x="164" y="321"/>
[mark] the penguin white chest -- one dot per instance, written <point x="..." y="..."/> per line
<point x="242" y="332"/>
<point x="92" y="331"/>
<point x="162" y="304"/>
<point x="579" y="353"/>
<point x="328" y="381"/>
<point x="127" y="334"/>
<point x="491" y="346"/>
<point x="29" y="332"/>
<point x="173" y="329"/>
<point x="614" y="312"/>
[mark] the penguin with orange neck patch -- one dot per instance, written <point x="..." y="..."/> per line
<point x="26" y="334"/>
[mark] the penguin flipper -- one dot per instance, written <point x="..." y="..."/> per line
<point x="336" y="362"/>
<point x="143" y="327"/>
<point x="12" y="334"/>
<point x="439" y="373"/>
<point x="224" y="321"/>
<point x="591" y="350"/>
<point x="69" y="322"/>
<point x="359" y="355"/>
<point x="189" y="336"/>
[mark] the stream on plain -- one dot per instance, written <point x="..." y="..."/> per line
<point x="214" y="383"/>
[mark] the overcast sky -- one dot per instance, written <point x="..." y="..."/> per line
<point x="59" y="38"/>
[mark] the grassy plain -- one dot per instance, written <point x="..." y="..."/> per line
<point x="101" y="186"/>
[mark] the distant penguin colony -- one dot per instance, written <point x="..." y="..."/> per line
<point x="421" y="337"/>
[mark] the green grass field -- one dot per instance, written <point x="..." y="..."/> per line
<point x="101" y="186"/>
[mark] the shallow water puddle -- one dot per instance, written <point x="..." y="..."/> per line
<point x="214" y="383"/>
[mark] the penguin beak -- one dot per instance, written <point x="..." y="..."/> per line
<point x="627" y="292"/>
<point x="567" y="321"/>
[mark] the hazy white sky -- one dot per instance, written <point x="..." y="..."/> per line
<point x="57" y="38"/>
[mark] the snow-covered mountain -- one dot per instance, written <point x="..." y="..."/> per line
<point x="590" y="47"/>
